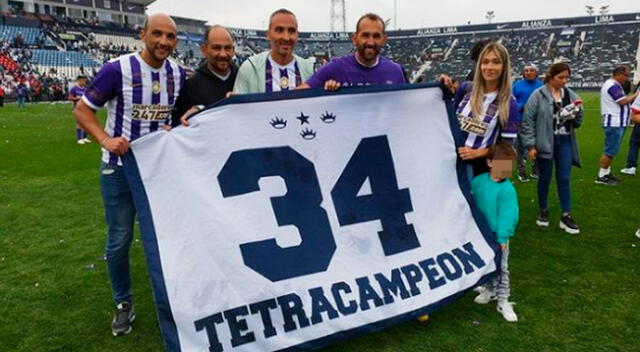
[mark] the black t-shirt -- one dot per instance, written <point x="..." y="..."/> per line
<point x="202" y="88"/>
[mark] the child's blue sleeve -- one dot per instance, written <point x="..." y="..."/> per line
<point x="508" y="214"/>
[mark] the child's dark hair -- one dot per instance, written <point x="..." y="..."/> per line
<point x="502" y="151"/>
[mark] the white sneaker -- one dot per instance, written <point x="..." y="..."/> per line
<point x="81" y="141"/>
<point x="505" y="308"/>
<point x="485" y="297"/>
<point x="638" y="233"/>
<point x="631" y="171"/>
<point x="87" y="140"/>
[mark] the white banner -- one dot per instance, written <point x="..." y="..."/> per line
<point x="288" y="224"/>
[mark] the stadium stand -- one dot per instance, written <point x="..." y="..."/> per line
<point x="11" y="33"/>
<point x="49" y="44"/>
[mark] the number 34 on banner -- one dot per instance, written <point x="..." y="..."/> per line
<point x="301" y="205"/>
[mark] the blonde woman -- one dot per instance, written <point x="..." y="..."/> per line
<point x="488" y="111"/>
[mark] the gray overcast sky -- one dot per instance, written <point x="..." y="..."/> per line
<point x="313" y="15"/>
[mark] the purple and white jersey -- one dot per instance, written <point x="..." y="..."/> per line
<point x="279" y="78"/>
<point x="139" y="98"/>
<point x="483" y="132"/>
<point x="349" y="72"/>
<point x="635" y="106"/>
<point x="613" y="114"/>
<point x="77" y="92"/>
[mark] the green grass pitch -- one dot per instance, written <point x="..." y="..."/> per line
<point x="573" y="293"/>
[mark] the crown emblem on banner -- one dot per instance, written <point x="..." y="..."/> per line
<point x="278" y="123"/>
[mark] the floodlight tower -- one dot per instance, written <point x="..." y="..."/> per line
<point x="338" y="16"/>
<point x="490" y="15"/>
<point x="590" y="10"/>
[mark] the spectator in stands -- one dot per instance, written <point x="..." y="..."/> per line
<point x="465" y="86"/>
<point x="634" y="140"/>
<point x="550" y="119"/>
<point x="365" y="66"/>
<point x="522" y="90"/>
<point x="488" y="111"/>
<point x="614" y="107"/>
<point x="213" y="79"/>
<point x="279" y="68"/>
<point x="130" y="106"/>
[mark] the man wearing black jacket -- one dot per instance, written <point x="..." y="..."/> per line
<point x="213" y="79"/>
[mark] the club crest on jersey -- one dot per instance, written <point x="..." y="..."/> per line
<point x="155" y="87"/>
<point x="284" y="82"/>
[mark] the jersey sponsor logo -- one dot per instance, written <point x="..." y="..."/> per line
<point x="150" y="112"/>
<point x="473" y="125"/>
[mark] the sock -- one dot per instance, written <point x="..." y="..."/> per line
<point x="78" y="134"/>
<point x="84" y="134"/>
<point x="604" y="172"/>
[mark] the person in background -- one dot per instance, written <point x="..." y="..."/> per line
<point x="634" y="140"/>
<point x="75" y="94"/>
<point x="21" y="94"/>
<point x="614" y="107"/>
<point x="550" y="119"/>
<point x="522" y="90"/>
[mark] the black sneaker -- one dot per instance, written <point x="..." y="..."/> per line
<point x="569" y="225"/>
<point x="534" y="175"/>
<point x="522" y="176"/>
<point x="606" y="180"/>
<point x="613" y="178"/>
<point x="543" y="218"/>
<point x="121" y="324"/>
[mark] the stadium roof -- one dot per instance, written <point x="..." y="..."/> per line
<point x="142" y="2"/>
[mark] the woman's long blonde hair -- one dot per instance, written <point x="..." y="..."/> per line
<point x="504" y="86"/>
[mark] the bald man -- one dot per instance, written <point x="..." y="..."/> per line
<point x="139" y="90"/>
<point x="214" y="78"/>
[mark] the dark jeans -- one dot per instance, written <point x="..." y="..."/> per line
<point x="634" y="145"/>
<point x="562" y="155"/>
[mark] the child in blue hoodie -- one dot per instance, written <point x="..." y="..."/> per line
<point x="497" y="200"/>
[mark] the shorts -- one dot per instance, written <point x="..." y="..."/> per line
<point x="613" y="140"/>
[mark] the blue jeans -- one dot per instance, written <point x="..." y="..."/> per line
<point x="21" y="102"/>
<point x="634" y="145"/>
<point x="119" y="215"/>
<point x="562" y="155"/>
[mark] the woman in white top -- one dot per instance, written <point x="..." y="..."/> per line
<point x="488" y="111"/>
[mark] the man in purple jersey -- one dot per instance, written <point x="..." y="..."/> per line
<point x="363" y="68"/>
<point x="140" y="90"/>
<point x="75" y="94"/>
